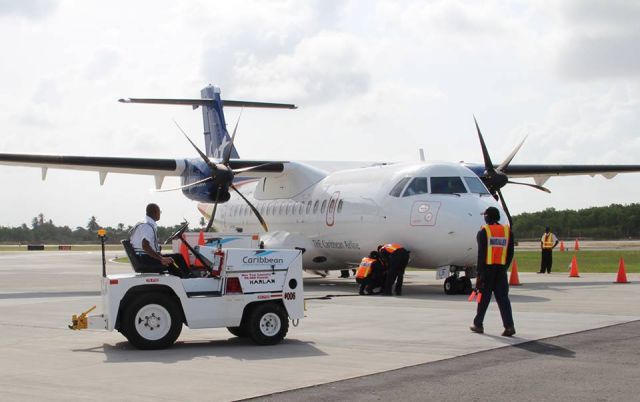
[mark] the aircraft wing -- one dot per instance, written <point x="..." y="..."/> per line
<point x="541" y="173"/>
<point x="159" y="168"/>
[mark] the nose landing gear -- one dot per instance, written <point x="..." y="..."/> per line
<point x="457" y="285"/>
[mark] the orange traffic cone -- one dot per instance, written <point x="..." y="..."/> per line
<point x="574" y="268"/>
<point x="197" y="262"/>
<point x="185" y="254"/>
<point x="562" y="246"/>
<point x="576" y="247"/>
<point x="622" y="275"/>
<point x="514" y="280"/>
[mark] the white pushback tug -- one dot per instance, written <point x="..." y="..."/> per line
<point x="252" y="292"/>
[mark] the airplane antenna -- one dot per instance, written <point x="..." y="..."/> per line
<point x="421" y="154"/>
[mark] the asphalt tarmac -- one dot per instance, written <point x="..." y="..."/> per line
<point x="388" y="346"/>
<point x="594" y="365"/>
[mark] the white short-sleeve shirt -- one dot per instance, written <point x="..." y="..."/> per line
<point x="145" y="230"/>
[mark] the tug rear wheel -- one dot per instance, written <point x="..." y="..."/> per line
<point x="240" y="332"/>
<point x="268" y="324"/>
<point x="152" y="321"/>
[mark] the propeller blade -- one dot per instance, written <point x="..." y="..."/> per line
<point x="508" y="159"/>
<point x="227" y="151"/>
<point x="252" y="167"/>
<point x="504" y="206"/>
<point x="202" y="154"/>
<point x="195" y="183"/>
<point x="488" y="165"/>
<point x="255" y="211"/>
<point x="546" y="190"/>
<point x="215" y="208"/>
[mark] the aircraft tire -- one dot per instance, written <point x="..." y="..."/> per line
<point x="152" y="321"/>
<point x="467" y="287"/>
<point x="268" y="324"/>
<point x="450" y="285"/>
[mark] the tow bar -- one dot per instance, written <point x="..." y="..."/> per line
<point x="80" y="322"/>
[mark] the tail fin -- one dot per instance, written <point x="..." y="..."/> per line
<point x="216" y="136"/>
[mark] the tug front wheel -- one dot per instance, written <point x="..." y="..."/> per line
<point x="152" y="321"/>
<point x="268" y="324"/>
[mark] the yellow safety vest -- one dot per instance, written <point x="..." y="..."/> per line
<point x="548" y="241"/>
<point x="497" y="244"/>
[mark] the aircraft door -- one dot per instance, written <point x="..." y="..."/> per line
<point x="331" y="209"/>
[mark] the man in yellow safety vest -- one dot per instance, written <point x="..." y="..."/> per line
<point x="547" y="243"/>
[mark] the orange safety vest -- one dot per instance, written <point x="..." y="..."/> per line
<point x="548" y="241"/>
<point x="364" y="270"/>
<point x="391" y="247"/>
<point x="497" y="243"/>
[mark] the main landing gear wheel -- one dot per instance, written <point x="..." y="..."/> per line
<point x="152" y="321"/>
<point x="268" y="324"/>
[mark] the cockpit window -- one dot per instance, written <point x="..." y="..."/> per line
<point x="397" y="189"/>
<point x="447" y="185"/>
<point x="417" y="186"/>
<point x="475" y="185"/>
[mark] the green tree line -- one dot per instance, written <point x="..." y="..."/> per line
<point x="44" y="231"/>
<point x="600" y="223"/>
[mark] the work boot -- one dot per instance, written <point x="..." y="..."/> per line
<point x="477" y="329"/>
<point x="511" y="331"/>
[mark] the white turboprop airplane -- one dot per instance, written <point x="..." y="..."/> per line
<point x="336" y="211"/>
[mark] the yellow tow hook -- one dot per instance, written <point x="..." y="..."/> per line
<point x="80" y="322"/>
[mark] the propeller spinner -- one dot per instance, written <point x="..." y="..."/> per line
<point x="222" y="176"/>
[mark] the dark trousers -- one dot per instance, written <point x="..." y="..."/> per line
<point x="153" y="266"/>
<point x="375" y="280"/>
<point x="397" y="264"/>
<point x="494" y="281"/>
<point x="546" y="261"/>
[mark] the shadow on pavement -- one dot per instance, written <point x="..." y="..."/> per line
<point x="544" y="348"/>
<point x="235" y="348"/>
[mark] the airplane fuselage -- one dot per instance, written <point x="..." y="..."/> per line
<point x="347" y="213"/>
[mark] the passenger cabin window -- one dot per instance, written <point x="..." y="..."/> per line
<point x="447" y="185"/>
<point x="475" y="185"/>
<point x="397" y="189"/>
<point x="340" y="206"/>
<point x="324" y="206"/>
<point x="315" y="207"/>
<point x="417" y="186"/>
<point x="309" y="207"/>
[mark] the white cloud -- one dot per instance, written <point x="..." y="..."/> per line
<point x="31" y="9"/>
<point x="373" y="80"/>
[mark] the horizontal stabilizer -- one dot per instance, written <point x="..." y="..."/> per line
<point x="209" y="102"/>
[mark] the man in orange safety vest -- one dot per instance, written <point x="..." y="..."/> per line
<point x="495" y="252"/>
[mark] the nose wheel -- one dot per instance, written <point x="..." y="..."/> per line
<point x="455" y="285"/>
